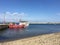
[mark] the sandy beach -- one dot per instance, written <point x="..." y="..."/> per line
<point x="47" y="39"/>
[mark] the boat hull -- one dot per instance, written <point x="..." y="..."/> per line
<point x="19" y="26"/>
<point x="16" y="26"/>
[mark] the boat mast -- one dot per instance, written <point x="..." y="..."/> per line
<point x="20" y="17"/>
<point x="4" y="20"/>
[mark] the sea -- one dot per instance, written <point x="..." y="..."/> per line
<point x="30" y="31"/>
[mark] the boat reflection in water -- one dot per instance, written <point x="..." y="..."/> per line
<point x="21" y="25"/>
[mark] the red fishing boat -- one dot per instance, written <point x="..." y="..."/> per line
<point x="22" y="24"/>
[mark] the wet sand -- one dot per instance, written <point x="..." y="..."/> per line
<point x="47" y="39"/>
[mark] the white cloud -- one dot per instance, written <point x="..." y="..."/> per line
<point x="7" y="13"/>
<point x="11" y="16"/>
<point x="22" y="14"/>
<point x="15" y="13"/>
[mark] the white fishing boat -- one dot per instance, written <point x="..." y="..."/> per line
<point x="22" y="24"/>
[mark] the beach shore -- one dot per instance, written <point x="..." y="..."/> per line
<point x="47" y="39"/>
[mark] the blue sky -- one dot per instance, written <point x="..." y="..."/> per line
<point x="31" y="10"/>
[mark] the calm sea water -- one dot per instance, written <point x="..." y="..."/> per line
<point x="32" y="30"/>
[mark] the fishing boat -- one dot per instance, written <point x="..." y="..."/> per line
<point x="22" y="24"/>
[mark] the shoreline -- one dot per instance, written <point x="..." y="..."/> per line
<point x="47" y="39"/>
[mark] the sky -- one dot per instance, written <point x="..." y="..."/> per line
<point x="30" y="10"/>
